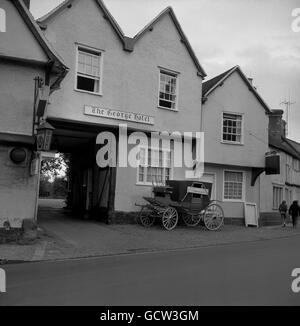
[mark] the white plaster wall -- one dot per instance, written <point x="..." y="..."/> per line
<point x="130" y="80"/>
<point x="17" y="188"/>
<point x="18" y="40"/>
<point x="17" y="97"/>
<point x="234" y="96"/>
<point x="234" y="209"/>
<point x="17" y="191"/>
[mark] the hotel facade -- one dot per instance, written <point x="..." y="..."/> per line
<point x="151" y="82"/>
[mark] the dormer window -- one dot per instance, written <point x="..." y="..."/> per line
<point x="168" y="90"/>
<point x="89" y="68"/>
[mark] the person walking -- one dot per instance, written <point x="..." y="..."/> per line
<point x="294" y="211"/>
<point x="283" y="211"/>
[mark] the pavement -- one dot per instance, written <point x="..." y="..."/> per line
<point x="62" y="236"/>
<point x="248" y="273"/>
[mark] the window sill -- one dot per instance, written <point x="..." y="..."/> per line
<point x="163" y="108"/>
<point x="87" y="92"/>
<point x="140" y="184"/>
<point x="233" y="200"/>
<point x="231" y="143"/>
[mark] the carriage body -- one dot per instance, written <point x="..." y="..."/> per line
<point x="188" y="199"/>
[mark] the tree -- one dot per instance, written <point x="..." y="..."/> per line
<point x="60" y="187"/>
<point x="45" y="186"/>
<point x="56" y="167"/>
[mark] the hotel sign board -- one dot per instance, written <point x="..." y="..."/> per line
<point x="118" y="115"/>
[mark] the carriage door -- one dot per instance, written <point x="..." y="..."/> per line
<point x="211" y="178"/>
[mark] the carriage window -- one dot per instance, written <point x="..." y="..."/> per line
<point x="233" y="185"/>
<point x="155" y="166"/>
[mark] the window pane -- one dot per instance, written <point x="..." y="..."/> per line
<point x="141" y="174"/>
<point x="81" y="68"/>
<point x="88" y="84"/>
<point x="81" y="58"/>
<point x="165" y="104"/>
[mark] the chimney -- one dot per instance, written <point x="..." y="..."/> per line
<point x="251" y="82"/>
<point x="27" y="3"/>
<point x="277" y="126"/>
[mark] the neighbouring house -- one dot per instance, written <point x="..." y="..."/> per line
<point x="235" y="121"/>
<point x="286" y="185"/>
<point x="152" y="82"/>
<point x="25" y="55"/>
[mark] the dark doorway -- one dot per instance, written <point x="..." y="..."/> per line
<point x="90" y="189"/>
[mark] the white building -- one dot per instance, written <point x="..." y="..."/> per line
<point x="286" y="185"/>
<point x="235" y="121"/>
<point x="152" y="82"/>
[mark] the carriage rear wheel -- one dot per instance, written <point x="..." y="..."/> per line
<point x="146" y="217"/>
<point x="191" y="219"/>
<point x="213" y="217"/>
<point x="170" y="218"/>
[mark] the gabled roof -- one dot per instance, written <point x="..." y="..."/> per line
<point x="286" y="145"/>
<point x="36" y="31"/>
<point x="42" y="21"/>
<point x="294" y="145"/>
<point x="184" y="39"/>
<point x="128" y="43"/>
<point x="55" y="63"/>
<point x="212" y="84"/>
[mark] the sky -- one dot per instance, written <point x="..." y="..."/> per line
<point x="257" y="35"/>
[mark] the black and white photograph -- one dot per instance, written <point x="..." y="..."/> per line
<point x="149" y="156"/>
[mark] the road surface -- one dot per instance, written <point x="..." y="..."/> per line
<point x="256" y="273"/>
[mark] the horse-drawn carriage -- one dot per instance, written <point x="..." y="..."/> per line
<point x="189" y="200"/>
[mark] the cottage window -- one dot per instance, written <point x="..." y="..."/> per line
<point x="232" y="128"/>
<point x="154" y="167"/>
<point x="288" y="173"/>
<point x="88" y="74"/>
<point x="277" y="196"/>
<point x="296" y="165"/>
<point x="168" y="90"/>
<point x="233" y="185"/>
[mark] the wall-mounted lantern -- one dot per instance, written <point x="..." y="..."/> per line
<point x="44" y="136"/>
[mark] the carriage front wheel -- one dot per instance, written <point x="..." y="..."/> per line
<point x="170" y="218"/>
<point x="213" y="217"/>
<point x="146" y="217"/>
